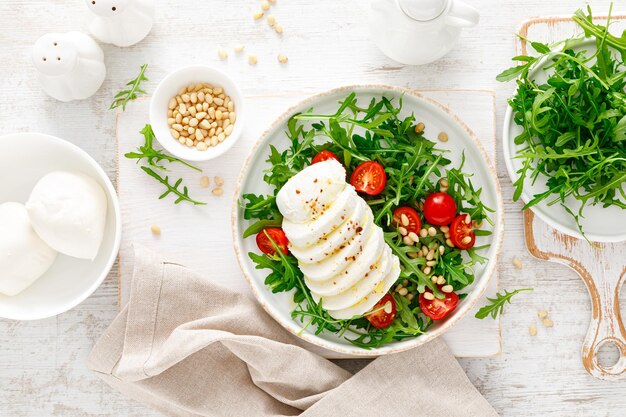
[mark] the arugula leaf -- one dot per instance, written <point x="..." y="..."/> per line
<point x="153" y="156"/>
<point x="123" y="97"/>
<point x="496" y="305"/>
<point x="173" y="189"/>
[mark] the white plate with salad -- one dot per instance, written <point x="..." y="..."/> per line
<point x="565" y="132"/>
<point x="368" y="220"/>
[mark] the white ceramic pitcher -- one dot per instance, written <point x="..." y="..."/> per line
<point x="417" y="32"/>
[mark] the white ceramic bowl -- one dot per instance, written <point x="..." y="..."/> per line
<point x="437" y="119"/>
<point x="601" y="224"/>
<point x="169" y="88"/>
<point x="24" y="159"/>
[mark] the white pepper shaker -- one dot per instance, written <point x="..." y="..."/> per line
<point x="121" y="22"/>
<point x="70" y="65"/>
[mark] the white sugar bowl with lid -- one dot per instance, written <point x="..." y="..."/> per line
<point x="417" y="32"/>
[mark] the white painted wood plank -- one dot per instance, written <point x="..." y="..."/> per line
<point x="42" y="370"/>
<point x="201" y="237"/>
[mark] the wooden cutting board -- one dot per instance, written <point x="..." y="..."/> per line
<point x="601" y="266"/>
<point x="200" y="237"/>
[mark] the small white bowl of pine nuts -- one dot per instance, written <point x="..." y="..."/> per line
<point x="196" y="113"/>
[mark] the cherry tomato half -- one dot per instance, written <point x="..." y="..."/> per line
<point x="381" y="318"/>
<point x="369" y="178"/>
<point x="324" y="156"/>
<point x="438" y="309"/>
<point x="415" y="224"/>
<point x="277" y="235"/>
<point x="461" y="233"/>
<point x="439" y="209"/>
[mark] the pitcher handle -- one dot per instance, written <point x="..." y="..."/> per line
<point x="462" y="15"/>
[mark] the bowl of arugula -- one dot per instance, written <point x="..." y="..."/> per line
<point x="396" y="130"/>
<point x="565" y="132"/>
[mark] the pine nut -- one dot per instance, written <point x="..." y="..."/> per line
<point x="442" y="250"/>
<point x="532" y="330"/>
<point x="271" y="20"/>
<point x="447" y="289"/>
<point x="201" y="146"/>
<point x="282" y="58"/>
<point x="517" y="263"/>
<point x="218" y="101"/>
<point x="156" y="230"/>
<point x="542" y="314"/>
<point x="449" y="243"/>
<point x="219" y="181"/>
<point x="387" y="308"/>
<point x="427" y="270"/>
<point x="429" y="296"/>
<point x="414" y="237"/>
<point x="468" y="219"/>
<point x="258" y="15"/>
<point x="222" y="54"/>
<point x="402" y="231"/>
<point x="410" y="296"/>
<point x="265" y="5"/>
<point x="404" y="220"/>
<point x="431" y="263"/>
<point x="173" y="104"/>
<point x="278" y="28"/>
<point x="239" y="48"/>
<point x="403" y="291"/>
<point x="444" y="182"/>
<point x="432" y="231"/>
<point x="444" y="229"/>
<point x="424" y="250"/>
<point x="433" y="279"/>
<point x="466" y="240"/>
<point x="178" y="127"/>
<point x="175" y="133"/>
<point x="419" y="128"/>
<point x="229" y="129"/>
<point x="408" y="241"/>
<point x="423" y="233"/>
<point x="199" y="135"/>
<point x="430" y="255"/>
<point x="547" y="322"/>
<point x="252" y="59"/>
<point x="441" y="280"/>
<point x="204" y="181"/>
<point x="217" y="191"/>
<point x="443" y="137"/>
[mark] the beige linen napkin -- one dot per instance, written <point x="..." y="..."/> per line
<point x="188" y="347"/>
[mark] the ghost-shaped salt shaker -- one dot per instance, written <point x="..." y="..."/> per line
<point x="70" y="65"/>
<point x="121" y="22"/>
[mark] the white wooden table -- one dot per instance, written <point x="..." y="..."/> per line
<point x="42" y="363"/>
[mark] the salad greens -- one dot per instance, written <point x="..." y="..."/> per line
<point x="496" y="305"/>
<point x="153" y="157"/>
<point x="413" y="166"/>
<point x="574" y="123"/>
<point x="123" y="97"/>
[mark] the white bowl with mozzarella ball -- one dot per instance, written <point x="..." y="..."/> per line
<point x="25" y="158"/>
<point x="169" y="88"/>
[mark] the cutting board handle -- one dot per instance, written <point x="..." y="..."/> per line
<point x="606" y="324"/>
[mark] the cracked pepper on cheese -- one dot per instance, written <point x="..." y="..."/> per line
<point x="342" y="253"/>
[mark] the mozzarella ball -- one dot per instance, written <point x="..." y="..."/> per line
<point x="68" y="211"/>
<point x="24" y="257"/>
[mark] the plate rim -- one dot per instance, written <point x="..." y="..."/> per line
<point x="110" y="191"/>
<point x="508" y="161"/>
<point x="476" y="294"/>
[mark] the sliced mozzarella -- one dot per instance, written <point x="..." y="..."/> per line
<point x="24" y="257"/>
<point x="311" y="191"/>
<point x="363" y="263"/>
<point x="362" y="288"/>
<point x="307" y="234"/>
<point x="337" y="262"/>
<point x="368" y="302"/>
<point x="329" y="245"/>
